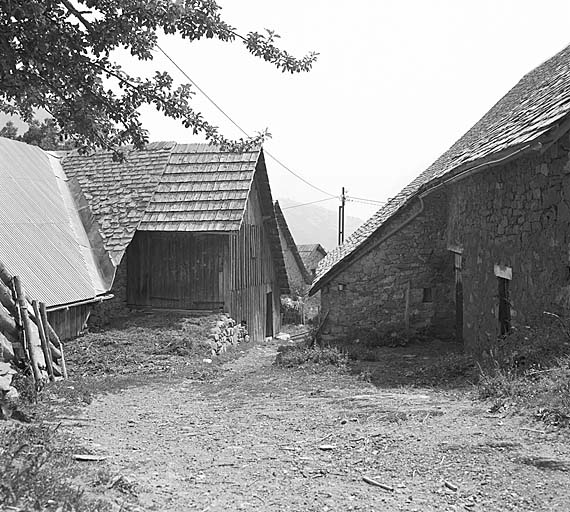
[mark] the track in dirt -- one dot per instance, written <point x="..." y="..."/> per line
<point x="258" y="437"/>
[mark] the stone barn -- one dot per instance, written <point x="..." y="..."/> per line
<point x="477" y="243"/>
<point x="185" y="227"/>
<point x="312" y="254"/>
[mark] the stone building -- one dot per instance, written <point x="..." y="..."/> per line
<point x="311" y="254"/>
<point x="477" y="243"/>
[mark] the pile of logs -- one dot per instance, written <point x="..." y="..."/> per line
<point x="27" y="340"/>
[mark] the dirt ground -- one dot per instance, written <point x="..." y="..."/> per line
<point x="253" y="436"/>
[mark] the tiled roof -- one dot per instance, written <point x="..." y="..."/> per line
<point x="536" y="104"/>
<point x="42" y="239"/>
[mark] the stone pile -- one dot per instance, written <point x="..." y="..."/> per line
<point x="226" y="333"/>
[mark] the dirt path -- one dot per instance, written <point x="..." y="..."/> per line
<point x="257" y="437"/>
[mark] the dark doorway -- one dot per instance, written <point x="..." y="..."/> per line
<point x="504" y="306"/>
<point x="458" y="297"/>
<point x="269" y="315"/>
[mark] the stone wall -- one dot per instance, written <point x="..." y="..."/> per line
<point x="411" y="266"/>
<point x="517" y="216"/>
<point x="227" y="333"/>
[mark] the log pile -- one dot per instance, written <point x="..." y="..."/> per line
<point x="27" y="341"/>
<point x="227" y="333"/>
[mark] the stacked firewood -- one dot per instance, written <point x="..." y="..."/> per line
<point x="27" y="340"/>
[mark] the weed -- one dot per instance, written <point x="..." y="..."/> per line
<point x="299" y="355"/>
<point x="530" y="368"/>
<point x="35" y="475"/>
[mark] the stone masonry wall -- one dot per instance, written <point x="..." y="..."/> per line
<point x="516" y="215"/>
<point x="374" y="286"/>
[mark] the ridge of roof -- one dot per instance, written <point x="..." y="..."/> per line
<point x="528" y="110"/>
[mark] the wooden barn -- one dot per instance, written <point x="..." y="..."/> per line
<point x="299" y="278"/>
<point x="42" y="239"/>
<point x="186" y="227"/>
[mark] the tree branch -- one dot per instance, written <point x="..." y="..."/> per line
<point x="70" y="7"/>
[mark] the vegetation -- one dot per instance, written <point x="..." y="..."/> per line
<point x="45" y="134"/>
<point x="59" y="56"/>
<point x="530" y="369"/>
<point x="37" y="474"/>
<point x="301" y="354"/>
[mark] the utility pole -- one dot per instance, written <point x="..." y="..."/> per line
<point x="341" y="217"/>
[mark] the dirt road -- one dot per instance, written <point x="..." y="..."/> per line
<point x="258" y="437"/>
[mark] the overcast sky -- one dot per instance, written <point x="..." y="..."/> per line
<point x="396" y="83"/>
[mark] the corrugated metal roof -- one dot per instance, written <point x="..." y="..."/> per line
<point x="40" y="239"/>
<point x="538" y="101"/>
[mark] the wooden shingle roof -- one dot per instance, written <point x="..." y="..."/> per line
<point x="537" y="104"/>
<point x="172" y="187"/>
<point x="284" y="228"/>
<point x="201" y="189"/>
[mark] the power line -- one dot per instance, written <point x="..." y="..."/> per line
<point x="312" y="202"/>
<point x="220" y="109"/>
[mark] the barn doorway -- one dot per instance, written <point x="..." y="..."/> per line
<point x="269" y="315"/>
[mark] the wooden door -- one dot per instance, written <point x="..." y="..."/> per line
<point x="458" y="297"/>
<point x="269" y="314"/>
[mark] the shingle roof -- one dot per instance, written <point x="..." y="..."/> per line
<point x="118" y="192"/>
<point x="201" y="189"/>
<point x="537" y="103"/>
<point x="172" y="187"/>
<point x="42" y="239"/>
<point x="284" y="228"/>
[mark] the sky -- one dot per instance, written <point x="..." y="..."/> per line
<point x="396" y="83"/>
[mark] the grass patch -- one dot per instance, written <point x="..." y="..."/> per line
<point x="37" y="474"/>
<point x="530" y="368"/>
<point x="291" y="356"/>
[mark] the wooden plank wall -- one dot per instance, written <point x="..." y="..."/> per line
<point x="251" y="273"/>
<point x="176" y="270"/>
<point x="70" y="323"/>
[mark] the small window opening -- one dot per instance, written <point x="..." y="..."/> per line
<point x="504" y="306"/>
<point x="427" y="295"/>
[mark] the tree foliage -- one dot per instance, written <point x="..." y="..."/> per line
<point x="58" y="55"/>
<point x="46" y="134"/>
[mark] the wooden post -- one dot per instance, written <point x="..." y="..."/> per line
<point x="43" y="339"/>
<point x="33" y="341"/>
<point x="54" y="338"/>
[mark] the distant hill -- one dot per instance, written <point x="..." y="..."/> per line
<point x="313" y="224"/>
